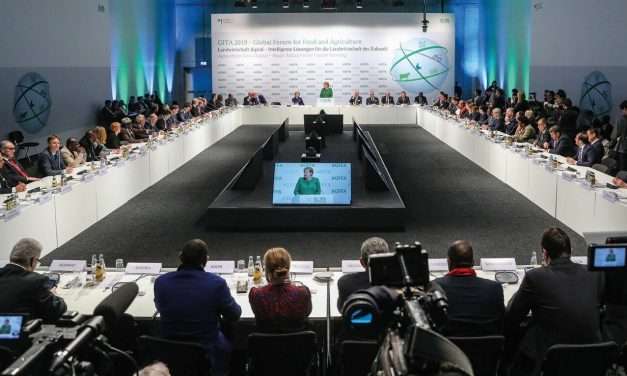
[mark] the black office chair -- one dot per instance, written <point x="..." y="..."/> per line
<point x="17" y="138"/>
<point x="356" y="357"/>
<point x="612" y="165"/>
<point x="588" y="359"/>
<point x="182" y="358"/>
<point x="484" y="353"/>
<point x="600" y="167"/>
<point x="290" y="354"/>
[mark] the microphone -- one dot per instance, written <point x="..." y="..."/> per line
<point x="106" y="315"/>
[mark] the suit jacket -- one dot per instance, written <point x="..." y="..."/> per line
<point x="72" y="159"/>
<point x="387" y="100"/>
<point x="113" y="140"/>
<point x="372" y="100"/>
<point x="127" y="135"/>
<point x="25" y="292"/>
<point x="586" y="156"/>
<point x="510" y="128"/>
<point x="298" y="101"/>
<point x="15" y="171"/>
<point x="497" y="125"/>
<point x="50" y="164"/>
<point x="564" y="146"/>
<point x="421" y="100"/>
<point x="564" y="300"/>
<point x="161" y="124"/>
<point x="191" y="302"/>
<point x="526" y="135"/>
<point x="402" y="100"/>
<point x="541" y="138"/>
<point x="6" y="181"/>
<point x="475" y="306"/>
<point x="251" y="101"/>
<point x="354" y="100"/>
<point x="348" y="284"/>
<point x="598" y="151"/>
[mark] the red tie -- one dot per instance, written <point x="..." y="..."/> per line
<point x="18" y="168"/>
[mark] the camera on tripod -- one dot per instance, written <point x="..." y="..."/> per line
<point x="404" y="312"/>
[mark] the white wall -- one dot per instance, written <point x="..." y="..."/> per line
<point x="572" y="38"/>
<point x="68" y="43"/>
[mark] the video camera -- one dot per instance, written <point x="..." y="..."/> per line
<point x="74" y="347"/>
<point x="611" y="259"/>
<point x="405" y="312"/>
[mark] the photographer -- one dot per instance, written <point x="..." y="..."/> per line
<point x="23" y="290"/>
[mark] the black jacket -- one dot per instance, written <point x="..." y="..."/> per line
<point x="7" y="182"/>
<point x="564" y="300"/>
<point x="348" y="284"/>
<point x="25" y="292"/>
<point x="355" y="100"/>
<point x="113" y="140"/>
<point x="475" y="306"/>
<point x="564" y="146"/>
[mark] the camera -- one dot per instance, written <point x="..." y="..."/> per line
<point x="404" y="312"/>
<point x="611" y="259"/>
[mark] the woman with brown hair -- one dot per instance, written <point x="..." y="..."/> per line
<point x="281" y="305"/>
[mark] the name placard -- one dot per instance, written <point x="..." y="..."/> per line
<point x="302" y="267"/>
<point x="498" y="264"/>
<point x="65" y="189"/>
<point x="352" y="266"/>
<point x="43" y="198"/>
<point x="220" y="267"/>
<point x="438" y="265"/>
<point x="583" y="260"/>
<point x="610" y="196"/>
<point x="10" y="214"/>
<point x="143" y="268"/>
<point x="87" y="177"/>
<point x="68" y="265"/>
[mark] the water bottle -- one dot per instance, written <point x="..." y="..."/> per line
<point x="94" y="261"/>
<point x="102" y="261"/>
<point x="534" y="259"/>
<point x="251" y="266"/>
<point x="258" y="262"/>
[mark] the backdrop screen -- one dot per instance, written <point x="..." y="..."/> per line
<point x="312" y="184"/>
<point x="275" y="54"/>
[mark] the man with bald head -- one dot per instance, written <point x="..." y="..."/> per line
<point x="23" y="290"/>
<point x="475" y="305"/>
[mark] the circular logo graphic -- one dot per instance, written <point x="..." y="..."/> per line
<point x="31" y="106"/>
<point x="596" y="94"/>
<point x="420" y="65"/>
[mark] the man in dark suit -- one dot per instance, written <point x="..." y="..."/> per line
<point x="126" y="133"/>
<point x="8" y="184"/>
<point x="564" y="299"/>
<point x="349" y="283"/>
<point x="597" y="146"/>
<point x="192" y="302"/>
<point x="543" y="137"/>
<point x="355" y="99"/>
<point x="560" y="143"/>
<point x="251" y="99"/>
<point x="13" y="167"/>
<point x="297" y="100"/>
<point x="475" y="305"/>
<point x="387" y="99"/>
<point x="372" y="99"/>
<point x="585" y="155"/>
<point x="421" y="99"/>
<point x="50" y="160"/>
<point x="23" y="290"/>
<point x="403" y="99"/>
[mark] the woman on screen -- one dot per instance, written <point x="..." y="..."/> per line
<point x="326" y="91"/>
<point x="307" y="185"/>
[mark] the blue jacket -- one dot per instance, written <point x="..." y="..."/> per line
<point x="50" y="164"/>
<point x="191" y="302"/>
<point x="588" y="156"/>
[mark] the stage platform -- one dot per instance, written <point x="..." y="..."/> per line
<point x="252" y="210"/>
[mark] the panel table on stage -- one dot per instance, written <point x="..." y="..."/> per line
<point x="84" y="299"/>
<point x="274" y="115"/>
<point x="568" y="198"/>
<point x="393" y="115"/>
<point x="89" y="198"/>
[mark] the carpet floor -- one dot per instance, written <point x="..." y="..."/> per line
<point x="447" y="196"/>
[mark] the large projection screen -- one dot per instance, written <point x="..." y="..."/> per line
<point x="276" y="54"/>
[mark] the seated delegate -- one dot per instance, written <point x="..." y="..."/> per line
<point x="326" y="91"/>
<point x="281" y="305"/>
<point x="23" y="290"/>
<point x="50" y="160"/>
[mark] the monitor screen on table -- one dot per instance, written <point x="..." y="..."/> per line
<point x="10" y="326"/>
<point x="608" y="257"/>
<point x="312" y="184"/>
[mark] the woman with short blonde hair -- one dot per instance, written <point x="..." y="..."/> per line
<point x="281" y="305"/>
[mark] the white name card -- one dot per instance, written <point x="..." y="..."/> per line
<point x="43" y="198"/>
<point x="302" y="267"/>
<point x="143" y="268"/>
<point x="352" y="266"/>
<point x="68" y="265"/>
<point x="438" y="265"/>
<point x="87" y="177"/>
<point x="220" y="267"/>
<point x="583" y="260"/>
<point x="498" y="264"/>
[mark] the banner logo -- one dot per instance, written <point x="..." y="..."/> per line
<point x="420" y="65"/>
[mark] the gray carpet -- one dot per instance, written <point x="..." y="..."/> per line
<point x="448" y="197"/>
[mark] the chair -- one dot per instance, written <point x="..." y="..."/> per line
<point x="484" y="353"/>
<point x="356" y="357"/>
<point x="17" y="138"/>
<point x="612" y="165"/>
<point x="588" y="359"/>
<point x="182" y="358"/>
<point x="290" y="354"/>
<point x="600" y="167"/>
